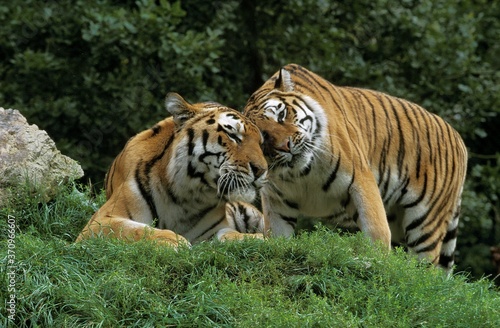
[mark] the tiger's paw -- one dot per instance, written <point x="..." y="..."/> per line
<point x="169" y="238"/>
<point x="230" y="234"/>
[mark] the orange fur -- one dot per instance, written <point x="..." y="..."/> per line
<point x="359" y="157"/>
<point x="186" y="179"/>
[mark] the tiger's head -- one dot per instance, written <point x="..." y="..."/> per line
<point x="218" y="148"/>
<point x="291" y="122"/>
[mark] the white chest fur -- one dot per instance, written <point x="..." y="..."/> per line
<point x="306" y="195"/>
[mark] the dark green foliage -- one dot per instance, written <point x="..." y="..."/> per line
<point x="318" y="279"/>
<point x="94" y="73"/>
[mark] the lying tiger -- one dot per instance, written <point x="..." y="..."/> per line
<point x="360" y="158"/>
<point x="188" y="178"/>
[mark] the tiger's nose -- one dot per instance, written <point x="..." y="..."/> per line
<point x="257" y="170"/>
<point x="285" y="146"/>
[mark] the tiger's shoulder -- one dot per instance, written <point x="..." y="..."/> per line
<point x="141" y="148"/>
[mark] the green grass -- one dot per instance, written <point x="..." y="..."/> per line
<point x="318" y="279"/>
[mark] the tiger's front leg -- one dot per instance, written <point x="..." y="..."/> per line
<point x="243" y="221"/>
<point x="275" y="223"/>
<point x="367" y="208"/>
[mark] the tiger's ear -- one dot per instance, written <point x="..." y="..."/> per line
<point x="284" y="82"/>
<point x="180" y="109"/>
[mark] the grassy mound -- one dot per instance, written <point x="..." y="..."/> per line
<point x="318" y="279"/>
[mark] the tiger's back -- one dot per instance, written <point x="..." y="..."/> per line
<point x="359" y="142"/>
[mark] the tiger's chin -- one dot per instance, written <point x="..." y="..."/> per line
<point x="234" y="188"/>
<point x="239" y="195"/>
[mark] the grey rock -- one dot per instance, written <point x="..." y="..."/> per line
<point x="29" y="157"/>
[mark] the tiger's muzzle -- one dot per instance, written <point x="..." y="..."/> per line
<point x="240" y="183"/>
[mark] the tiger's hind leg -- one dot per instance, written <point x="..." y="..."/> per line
<point x="431" y="236"/>
<point x="446" y="258"/>
<point x="243" y="220"/>
<point x="113" y="226"/>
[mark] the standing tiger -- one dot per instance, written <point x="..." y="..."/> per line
<point x="191" y="176"/>
<point x="359" y="158"/>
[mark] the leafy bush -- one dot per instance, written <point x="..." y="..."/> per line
<point x="94" y="73"/>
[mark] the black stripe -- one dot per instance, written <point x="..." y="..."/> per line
<point x="305" y="171"/>
<point x="220" y="142"/>
<point x="401" y="188"/>
<point x="242" y="210"/>
<point x="314" y="130"/>
<point x="446" y="260"/>
<point x="431" y="246"/>
<point x="193" y="219"/>
<point x="385" y="184"/>
<point x="290" y="220"/>
<point x="387" y="140"/>
<point x="380" y="98"/>
<point x="229" y="134"/>
<point x="374" y="116"/>
<point x="352" y="179"/>
<point x="382" y="162"/>
<point x="331" y="177"/>
<point x="205" y="139"/>
<point x="450" y="235"/>
<point x="211" y="227"/>
<point x="453" y="147"/>
<point x="421" y="196"/>
<point x="156" y="129"/>
<point x="421" y="239"/>
<point x="145" y="190"/>
<point x="191" y="170"/>
<point x="416" y="223"/>
<point x="441" y="199"/>
<point x="346" y="201"/>
<point x="291" y="204"/>
<point x="171" y="195"/>
<point x="419" y="161"/>
<point x="358" y="108"/>
<point x="417" y="129"/>
<point x="430" y="145"/>
<point x="313" y="82"/>
<point x="364" y="127"/>
<point x="401" y="150"/>
<point x="404" y="189"/>
<point x="158" y="156"/>
<point x="190" y="133"/>
<point x="306" y="118"/>
<point x="277" y="82"/>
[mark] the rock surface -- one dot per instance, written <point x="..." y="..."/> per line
<point x="28" y="156"/>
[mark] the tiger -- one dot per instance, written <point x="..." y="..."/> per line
<point x="188" y="178"/>
<point x="359" y="158"/>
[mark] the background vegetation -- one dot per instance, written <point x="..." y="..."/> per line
<point x="93" y="73"/>
<point x="319" y="279"/>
